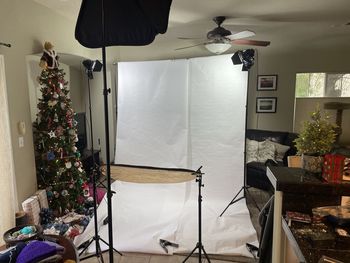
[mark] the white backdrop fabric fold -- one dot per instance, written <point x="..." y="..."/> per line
<point x="183" y="114"/>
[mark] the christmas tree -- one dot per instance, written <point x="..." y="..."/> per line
<point x="318" y="135"/>
<point x="59" y="169"/>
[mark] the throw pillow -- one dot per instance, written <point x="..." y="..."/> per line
<point x="280" y="150"/>
<point x="251" y="151"/>
<point x="266" y="151"/>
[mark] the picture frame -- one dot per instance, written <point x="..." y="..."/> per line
<point x="266" y="104"/>
<point x="267" y="82"/>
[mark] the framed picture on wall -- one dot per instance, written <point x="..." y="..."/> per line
<point x="267" y="82"/>
<point x="266" y="104"/>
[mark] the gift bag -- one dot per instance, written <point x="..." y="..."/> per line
<point x="42" y="196"/>
<point x="333" y="167"/>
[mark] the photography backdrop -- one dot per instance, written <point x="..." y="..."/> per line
<point x="181" y="114"/>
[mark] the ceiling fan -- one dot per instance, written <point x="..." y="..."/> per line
<point x="220" y="39"/>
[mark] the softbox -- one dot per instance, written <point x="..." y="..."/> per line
<point x="126" y="22"/>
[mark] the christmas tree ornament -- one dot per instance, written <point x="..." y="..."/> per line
<point x="55" y="118"/>
<point x="59" y="131"/>
<point x="68" y="165"/>
<point x="86" y="190"/>
<point x="77" y="164"/>
<point x="71" y="132"/>
<point x="52" y="134"/>
<point x="74" y="149"/>
<point x="50" y="156"/>
<point x="52" y="103"/>
<point x="55" y="95"/>
<point x="64" y="193"/>
<point x="63" y="105"/>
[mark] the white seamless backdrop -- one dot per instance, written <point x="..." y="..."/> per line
<point x="181" y="114"/>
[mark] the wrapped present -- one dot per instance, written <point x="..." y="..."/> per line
<point x="346" y="169"/>
<point x="42" y="197"/>
<point x="31" y="207"/>
<point x="333" y="167"/>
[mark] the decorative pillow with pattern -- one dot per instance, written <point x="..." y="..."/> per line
<point x="280" y="150"/>
<point x="251" y="151"/>
<point x="266" y="151"/>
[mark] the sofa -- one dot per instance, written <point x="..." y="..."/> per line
<point x="262" y="140"/>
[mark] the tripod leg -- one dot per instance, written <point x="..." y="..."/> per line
<point x="205" y="254"/>
<point x="99" y="251"/>
<point x="113" y="248"/>
<point x="86" y="247"/>
<point x="197" y="246"/>
<point x="232" y="201"/>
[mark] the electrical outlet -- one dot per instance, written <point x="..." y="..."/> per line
<point x="21" y="142"/>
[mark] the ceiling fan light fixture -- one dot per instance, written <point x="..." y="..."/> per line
<point x="217" y="48"/>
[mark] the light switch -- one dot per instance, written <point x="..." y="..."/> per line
<point x="21" y="142"/>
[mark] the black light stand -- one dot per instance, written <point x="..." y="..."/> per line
<point x="90" y="67"/>
<point x="199" y="243"/>
<point x="248" y="60"/>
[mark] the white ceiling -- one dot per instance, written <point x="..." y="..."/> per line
<point x="288" y="24"/>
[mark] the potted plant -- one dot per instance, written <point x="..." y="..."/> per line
<point x="315" y="140"/>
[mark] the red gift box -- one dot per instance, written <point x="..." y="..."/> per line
<point x="333" y="167"/>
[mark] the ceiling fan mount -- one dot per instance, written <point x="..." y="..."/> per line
<point x="218" y="32"/>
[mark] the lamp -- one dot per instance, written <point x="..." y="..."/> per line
<point x="217" y="47"/>
<point x="91" y="66"/>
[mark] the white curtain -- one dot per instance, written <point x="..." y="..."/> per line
<point x="7" y="175"/>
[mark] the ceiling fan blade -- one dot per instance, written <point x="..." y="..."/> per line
<point x="190" y="46"/>
<point x="189" y="38"/>
<point x="242" y="34"/>
<point x="251" y="42"/>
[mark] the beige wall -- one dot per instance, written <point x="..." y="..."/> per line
<point x="26" y="25"/>
<point x="76" y="89"/>
<point x="304" y="106"/>
<point x="286" y="66"/>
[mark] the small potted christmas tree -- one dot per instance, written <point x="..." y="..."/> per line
<point x="315" y="140"/>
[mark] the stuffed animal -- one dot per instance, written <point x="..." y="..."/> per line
<point x="49" y="59"/>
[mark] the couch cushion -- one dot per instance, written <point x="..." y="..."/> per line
<point x="266" y="151"/>
<point x="280" y="150"/>
<point x="251" y="151"/>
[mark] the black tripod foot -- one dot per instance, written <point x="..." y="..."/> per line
<point x="200" y="250"/>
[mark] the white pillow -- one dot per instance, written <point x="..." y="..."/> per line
<point x="280" y="150"/>
<point x="266" y="151"/>
<point x="251" y="151"/>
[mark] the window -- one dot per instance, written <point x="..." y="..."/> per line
<point x="322" y="85"/>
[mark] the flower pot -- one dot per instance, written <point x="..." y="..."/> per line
<point x="312" y="163"/>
